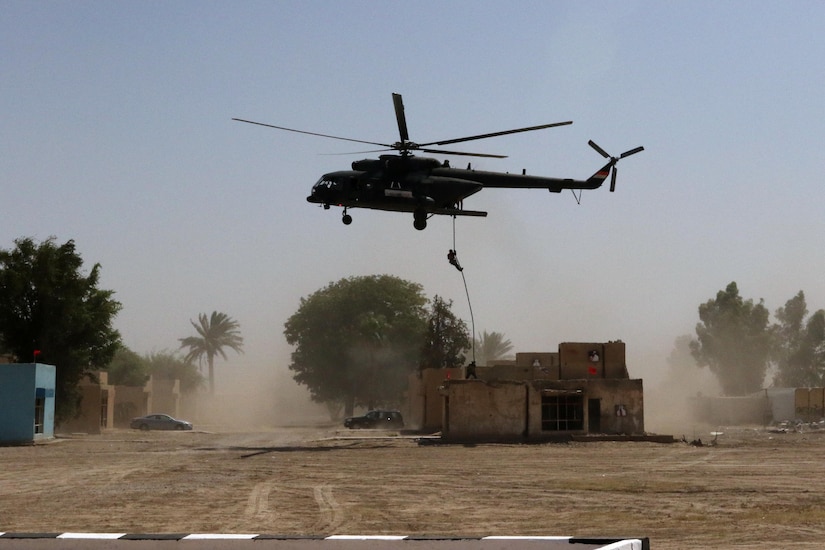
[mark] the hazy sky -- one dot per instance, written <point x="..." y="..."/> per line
<point x="116" y="132"/>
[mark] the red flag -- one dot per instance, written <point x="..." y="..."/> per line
<point x="36" y="353"/>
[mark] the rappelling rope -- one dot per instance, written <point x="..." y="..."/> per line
<point x="469" y="303"/>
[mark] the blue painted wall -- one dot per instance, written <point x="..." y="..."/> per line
<point x="19" y="384"/>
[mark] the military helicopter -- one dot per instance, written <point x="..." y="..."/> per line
<point x="426" y="186"/>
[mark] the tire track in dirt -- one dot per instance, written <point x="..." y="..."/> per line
<point x="330" y="512"/>
<point x="257" y="504"/>
<point x="331" y="515"/>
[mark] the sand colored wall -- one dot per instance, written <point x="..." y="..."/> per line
<point x="475" y="409"/>
<point x="426" y="407"/>
<point x="512" y="410"/>
<point x="576" y="360"/>
<point x="96" y="410"/>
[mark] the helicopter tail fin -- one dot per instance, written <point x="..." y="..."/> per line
<point x="596" y="180"/>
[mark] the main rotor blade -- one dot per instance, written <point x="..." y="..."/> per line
<point x="631" y="152"/>
<point x="601" y="151"/>
<point x="314" y="133"/>
<point x="443" y="152"/>
<point x="356" y="152"/>
<point x="494" y="134"/>
<point x="400" y="117"/>
<point x="613" y="180"/>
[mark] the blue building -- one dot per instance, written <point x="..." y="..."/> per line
<point x="26" y="402"/>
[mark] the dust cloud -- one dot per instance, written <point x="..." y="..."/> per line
<point x="253" y="399"/>
<point x="668" y="408"/>
<point x="262" y="399"/>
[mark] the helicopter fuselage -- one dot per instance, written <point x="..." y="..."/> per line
<point x="412" y="192"/>
<point x="424" y="186"/>
<point x="396" y="183"/>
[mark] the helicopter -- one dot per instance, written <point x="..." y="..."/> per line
<point x="425" y="186"/>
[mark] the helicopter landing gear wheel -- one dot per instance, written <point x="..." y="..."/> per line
<point x="346" y="218"/>
<point x="420" y="219"/>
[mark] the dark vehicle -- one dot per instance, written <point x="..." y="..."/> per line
<point x="376" y="419"/>
<point x="159" y="422"/>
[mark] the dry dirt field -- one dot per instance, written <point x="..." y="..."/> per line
<point x="755" y="489"/>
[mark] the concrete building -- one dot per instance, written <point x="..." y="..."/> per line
<point x="96" y="411"/>
<point x="425" y="409"/>
<point x="105" y="406"/>
<point x="583" y="389"/>
<point x="26" y="402"/>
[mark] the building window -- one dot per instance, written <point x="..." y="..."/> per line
<point x="561" y="413"/>
<point x="39" y="414"/>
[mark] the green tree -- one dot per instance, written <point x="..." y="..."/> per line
<point x="357" y="340"/>
<point x="215" y="333"/>
<point x="491" y="346"/>
<point x="127" y="368"/>
<point x="446" y="337"/>
<point x="166" y="364"/>
<point x="48" y="304"/>
<point x="800" y="345"/>
<point x="733" y="340"/>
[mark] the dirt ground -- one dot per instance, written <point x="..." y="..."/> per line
<point x="754" y="489"/>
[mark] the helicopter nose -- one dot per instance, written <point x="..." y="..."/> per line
<point x="321" y="194"/>
<point x="314" y="195"/>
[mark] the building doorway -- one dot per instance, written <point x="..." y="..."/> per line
<point x="594" y="416"/>
<point x="104" y="408"/>
<point x="39" y="410"/>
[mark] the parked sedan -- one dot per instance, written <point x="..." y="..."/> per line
<point x="159" y="422"/>
<point x="376" y="419"/>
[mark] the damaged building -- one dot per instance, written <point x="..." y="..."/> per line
<point x="583" y="389"/>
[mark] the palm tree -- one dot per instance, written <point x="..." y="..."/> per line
<point x="492" y="346"/>
<point x="215" y="333"/>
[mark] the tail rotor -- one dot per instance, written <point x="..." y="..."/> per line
<point x="614" y="160"/>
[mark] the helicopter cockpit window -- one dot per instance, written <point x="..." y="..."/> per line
<point x="327" y="182"/>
